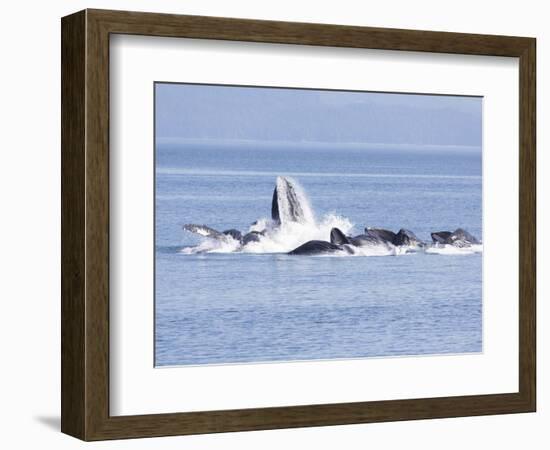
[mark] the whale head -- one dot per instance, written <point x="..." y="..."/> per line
<point x="338" y="238"/>
<point x="289" y="203"/>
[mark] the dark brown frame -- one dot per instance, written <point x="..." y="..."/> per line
<point x="85" y="224"/>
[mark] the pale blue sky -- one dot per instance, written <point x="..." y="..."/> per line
<point x="226" y="113"/>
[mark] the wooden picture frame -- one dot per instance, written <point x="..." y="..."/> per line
<point x="85" y="224"/>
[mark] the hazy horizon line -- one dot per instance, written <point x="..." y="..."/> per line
<point x="261" y="142"/>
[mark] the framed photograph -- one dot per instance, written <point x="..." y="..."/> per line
<point x="273" y="225"/>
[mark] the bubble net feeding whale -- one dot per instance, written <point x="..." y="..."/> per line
<point x="294" y="230"/>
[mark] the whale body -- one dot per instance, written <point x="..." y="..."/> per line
<point x="318" y="247"/>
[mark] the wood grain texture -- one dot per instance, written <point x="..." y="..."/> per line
<point x="152" y="24"/>
<point x="527" y="224"/>
<point x="73" y="321"/>
<point x="85" y="224"/>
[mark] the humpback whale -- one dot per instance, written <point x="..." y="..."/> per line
<point x="289" y="206"/>
<point x="225" y="236"/>
<point x="457" y="238"/>
<point x="403" y="237"/>
<point x="337" y="237"/>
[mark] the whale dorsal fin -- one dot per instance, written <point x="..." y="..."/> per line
<point x="338" y="238"/>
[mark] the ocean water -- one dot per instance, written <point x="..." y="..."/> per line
<point x="222" y="307"/>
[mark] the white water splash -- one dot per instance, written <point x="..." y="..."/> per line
<point x="288" y="236"/>
<point x="369" y="250"/>
<point x="210" y="245"/>
<point x="275" y="239"/>
<point x="439" y="249"/>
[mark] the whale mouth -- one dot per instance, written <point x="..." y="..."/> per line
<point x="290" y="204"/>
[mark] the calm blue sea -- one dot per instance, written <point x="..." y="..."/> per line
<point x="219" y="308"/>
